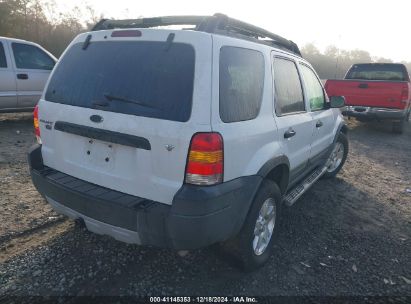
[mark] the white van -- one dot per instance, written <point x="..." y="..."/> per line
<point x="24" y="70"/>
<point x="184" y="138"/>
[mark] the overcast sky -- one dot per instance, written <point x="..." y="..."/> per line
<point x="382" y="28"/>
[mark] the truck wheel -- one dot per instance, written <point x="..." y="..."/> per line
<point x="252" y="247"/>
<point x="398" y="126"/>
<point x="337" y="157"/>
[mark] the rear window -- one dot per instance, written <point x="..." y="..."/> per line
<point x="3" y="61"/>
<point x="150" y="79"/>
<point x="241" y="83"/>
<point x="388" y="72"/>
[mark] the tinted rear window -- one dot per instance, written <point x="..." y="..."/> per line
<point x="241" y="83"/>
<point x="153" y="79"/>
<point x="3" y="61"/>
<point x="389" y="72"/>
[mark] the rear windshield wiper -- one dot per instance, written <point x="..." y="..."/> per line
<point x="123" y="99"/>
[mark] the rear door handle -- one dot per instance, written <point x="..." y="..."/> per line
<point x="363" y="85"/>
<point x="319" y="124"/>
<point x="22" y="76"/>
<point x="289" y="133"/>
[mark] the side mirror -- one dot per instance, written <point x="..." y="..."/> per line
<point x="337" y="101"/>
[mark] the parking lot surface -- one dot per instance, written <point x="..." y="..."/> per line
<point x="346" y="236"/>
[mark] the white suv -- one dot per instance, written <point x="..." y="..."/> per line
<point x="184" y="138"/>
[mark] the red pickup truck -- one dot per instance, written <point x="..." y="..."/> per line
<point x="375" y="91"/>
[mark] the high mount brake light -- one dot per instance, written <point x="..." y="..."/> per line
<point x="127" y="33"/>
<point x="205" y="161"/>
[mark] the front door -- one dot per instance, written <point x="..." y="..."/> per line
<point x="33" y="67"/>
<point x="8" y="95"/>
<point x="293" y="120"/>
<point x="322" y="115"/>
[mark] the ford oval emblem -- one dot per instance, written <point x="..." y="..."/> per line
<point x="96" y="118"/>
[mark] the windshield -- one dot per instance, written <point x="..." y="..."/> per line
<point x="388" y="72"/>
<point x="156" y="77"/>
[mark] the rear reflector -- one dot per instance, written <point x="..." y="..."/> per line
<point x="128" y="33"/>
<point x="205" y="163"/>
<point x="36" y="123"/>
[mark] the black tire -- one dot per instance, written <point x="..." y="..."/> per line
<point x="342" y="138"/>
<point x="407" y="118"/>
<point x="398" y="126"/>
<point x="240" y="249"/>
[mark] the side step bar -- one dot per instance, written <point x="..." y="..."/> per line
<point x="293" y="195"/>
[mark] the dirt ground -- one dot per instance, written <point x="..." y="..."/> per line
<point x="346" y="236"/>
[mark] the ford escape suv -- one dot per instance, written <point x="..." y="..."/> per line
<point x="184" y="138"/>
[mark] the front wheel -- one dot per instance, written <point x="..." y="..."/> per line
<point x="337" y="157"/>
<point x="252" y="247"/>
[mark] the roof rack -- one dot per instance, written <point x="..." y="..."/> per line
<point x="218" y="23"/>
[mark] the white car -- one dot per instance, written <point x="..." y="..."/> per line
<point x="184" y="138"/>
<point x="24" y="70"/>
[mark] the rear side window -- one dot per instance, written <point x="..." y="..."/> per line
<point x="241" y="83"/>
<point x="31" y="57"/>
<point x="3" y="61"/>
<point x="387" y="72"/>
<point x="288" y="91"/>
<point x="143" y="78"/>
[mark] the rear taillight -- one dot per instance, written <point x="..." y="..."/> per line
<point x="205" y="161"/>
<point x="36" y="123"/>
<point x="404" y="94"/>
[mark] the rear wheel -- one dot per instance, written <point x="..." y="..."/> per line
<point x="252" y="247"/>
<point x="337" y="157"/>
<point x="398" y="126"/>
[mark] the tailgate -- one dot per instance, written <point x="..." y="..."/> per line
<point x="121" y="113"/>
<point x="384" y="94"/>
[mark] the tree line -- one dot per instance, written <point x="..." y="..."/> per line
<point x="40" y="21"/>
<point x="333" y="63"/>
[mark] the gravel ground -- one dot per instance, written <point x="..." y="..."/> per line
<point x="347" y="236"/>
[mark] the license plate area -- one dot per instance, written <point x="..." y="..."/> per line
<point x="99" y="154"/>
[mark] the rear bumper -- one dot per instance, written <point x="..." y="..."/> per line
<point x="197" y="217"/>
<point x="373" y="113"/>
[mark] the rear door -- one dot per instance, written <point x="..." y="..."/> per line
<point x="120" y="111"/>
<point x="322" y="115"/>
<point x="294" y="122"/>
<point x="33" y="66"/>
<point x="8" y="94"/>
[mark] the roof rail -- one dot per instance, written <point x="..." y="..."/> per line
<point x="218" y="23"/>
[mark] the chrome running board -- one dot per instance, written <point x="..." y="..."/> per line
<point x="293" y="195"/>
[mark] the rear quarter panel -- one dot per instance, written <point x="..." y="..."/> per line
<point x="248" y="145"/>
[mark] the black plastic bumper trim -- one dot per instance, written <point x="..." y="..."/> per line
<point x="198" y="217"/>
